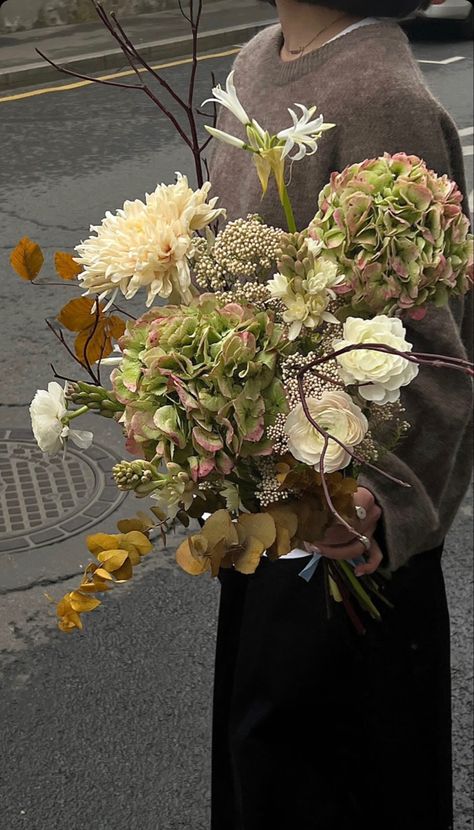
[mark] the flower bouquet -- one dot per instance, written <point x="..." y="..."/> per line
<point x="273" y="373"/>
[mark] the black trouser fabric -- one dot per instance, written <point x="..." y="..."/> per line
<point x="318" y="728"/>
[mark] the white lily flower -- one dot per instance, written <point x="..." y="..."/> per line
<point x="229" y="99"/>
<point x="49" y="420"/>
<point x="227" y="138"/>
<point x="304" y="133"/>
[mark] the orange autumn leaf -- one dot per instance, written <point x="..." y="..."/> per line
<point x="65" y="266"/>
<point x="95" y="335"/>
<point x="27" y="259"/>
<point x="77" y="314"/>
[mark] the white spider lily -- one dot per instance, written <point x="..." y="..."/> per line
<point x="229" y="99"/>
<point x="304" y="133"/>
<point x="227" y="138"/>
<point x="270" y="151"/>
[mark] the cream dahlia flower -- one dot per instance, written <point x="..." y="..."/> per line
<point x="381" y="375"/>
<point x="49" y="420"/>
<point x="336" y="413"/>
<point x="147" y="244"/>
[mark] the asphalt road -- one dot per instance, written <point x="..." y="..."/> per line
<point x="111" y="730"/>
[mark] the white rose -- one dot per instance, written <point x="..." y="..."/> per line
<point x="49" y="421"/>
<point x="384" y="373"/>
<point x="336" y="413"/>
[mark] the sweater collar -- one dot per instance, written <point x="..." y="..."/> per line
<point x="282" y="73"/>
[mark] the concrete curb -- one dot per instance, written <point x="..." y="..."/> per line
<point x="40" y="72"/>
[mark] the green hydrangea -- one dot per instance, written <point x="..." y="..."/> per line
<point x="398" y="232"/>
<point x="200" y="384"/>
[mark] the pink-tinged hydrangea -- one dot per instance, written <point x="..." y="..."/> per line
<point x="200" y="384"/>
<point x="398" y="232"/>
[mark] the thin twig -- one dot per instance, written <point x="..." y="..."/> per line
<point x="60" y="336"/>
<point x="92" y="80"/>
<point x="61" y="377"/>
<point x="122" y="311"/>
<point x="127" y="45"/>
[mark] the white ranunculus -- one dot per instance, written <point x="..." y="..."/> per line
<point x="336" y="413"/>
<point x="147" y="244"/>
<point x="49" y="421"/>
<point x="381" y="374"/>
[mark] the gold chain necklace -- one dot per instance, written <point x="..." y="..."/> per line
<point x="318" y="34"/>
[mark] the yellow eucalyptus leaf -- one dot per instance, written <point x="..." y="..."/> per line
<point x="217" y="554"/>
<point x="198" y="546"/>
<point x="260" y="526"/>
<point x="137" y="540"/>
<point x="65" y="266"/>
<point x="188" y="562"/>
<point x="160" y="515"/>
<point x="125" y="573"/>
<point x="141" y="522"/>
<point x="97" y="586"/>
<point x="69" y="623"/>
<point x="100" y="542"/>
<point x="112" y="560"/>
<point x="219" y="526"/>
<point x="103" y="574"/>
<point x="286" y="525"/>
<point x="64" y="606"/>
<point x="27" y="259"/>
<point x="82" y="604"/>
<point x="248" y="560"/>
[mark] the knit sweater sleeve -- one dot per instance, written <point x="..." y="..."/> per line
<point x="435" y="457"/>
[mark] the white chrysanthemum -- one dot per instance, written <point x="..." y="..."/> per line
<point x="147" y="245"/>
<point x="50" y="427"/>
<point x="381" y="375"/>
<point x="334" y="412"/>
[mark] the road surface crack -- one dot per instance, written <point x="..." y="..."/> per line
<point x="40" y="583"/>
<point x="11" y="214"/>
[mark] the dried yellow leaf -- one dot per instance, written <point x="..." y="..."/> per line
<point x="95" y="333"/>
<point x="259" y="525"/>
<point x="124" y="573"/>
<point x="112" y="560"/>
<point x="141" y="522"/>
<point x="189" y="562"/>
<point x="136" y="540"/>
<point x="65" y="266"/>
<point x="82" y="603"/>
<point x="103" y="574"/>
<point x="100" y="542"/>
<point x="27" y="259"/>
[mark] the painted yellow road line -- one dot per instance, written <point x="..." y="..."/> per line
<point x="78" y="84"/>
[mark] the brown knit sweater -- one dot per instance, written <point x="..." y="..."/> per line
<point x="369" y="85"/>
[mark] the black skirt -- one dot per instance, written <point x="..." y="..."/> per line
<point x="318" y="728"/>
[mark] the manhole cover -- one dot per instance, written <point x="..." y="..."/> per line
<point x="44" y="501"/>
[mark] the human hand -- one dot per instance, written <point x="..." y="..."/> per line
<point x="340" y="543"/>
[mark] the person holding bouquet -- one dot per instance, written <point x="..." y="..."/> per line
<point x="314" y="727"/>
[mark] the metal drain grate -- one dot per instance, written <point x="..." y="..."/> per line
<point x="42" y="500"/>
